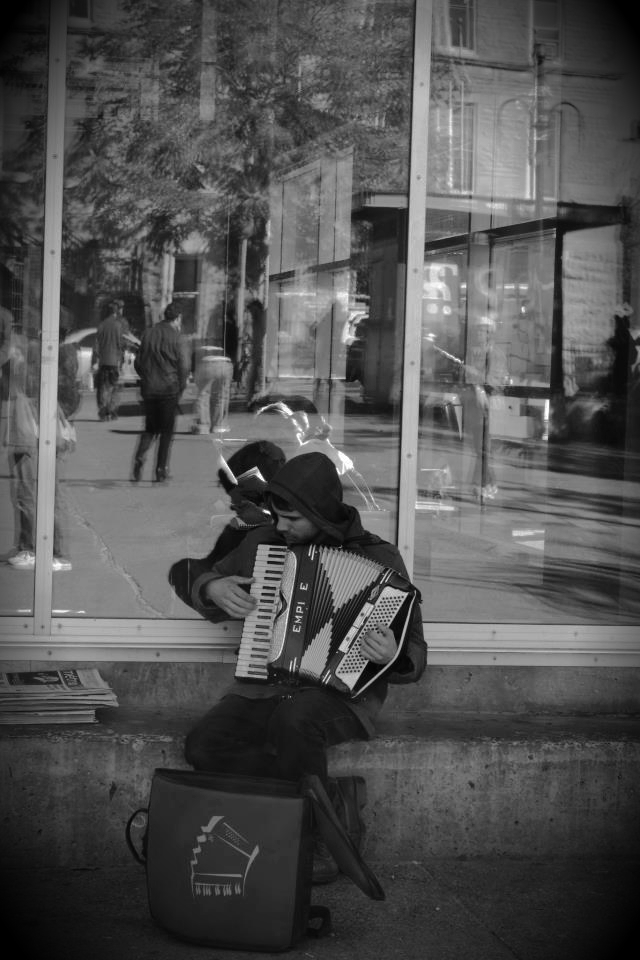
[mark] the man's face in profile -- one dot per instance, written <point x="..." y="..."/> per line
<point x="294" y="527"/>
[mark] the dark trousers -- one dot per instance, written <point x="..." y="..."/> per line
<point x="107" y="391"/>
<point x="280" y="736"/>
<point x="159" y="421"/>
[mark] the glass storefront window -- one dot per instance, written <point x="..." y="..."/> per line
<point x="530" y="391"/>
<point x="219" y="157"/>
<point x="23" y="89"/>
<point x="252" y="168"/>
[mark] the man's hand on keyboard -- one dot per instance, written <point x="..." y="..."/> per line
<point x="230" y="594"/>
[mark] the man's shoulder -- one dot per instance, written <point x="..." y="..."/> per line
<point x="374" y="547"/>
<point x="153" y="335"/>
<point x="266" y="534"/>
<point x="241" y="559"/>
<point x="164" y="333"/>
<point x="109" y="325"/>
<point x="365" y="539"/>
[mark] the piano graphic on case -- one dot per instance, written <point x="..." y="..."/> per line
<point x="221" y="860"/>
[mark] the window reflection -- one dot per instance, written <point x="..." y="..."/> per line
<point x="220" y="157"/>
<point x="250" y="165"/>
<point x="22" y="121"/>
<point x="529" y="396"/>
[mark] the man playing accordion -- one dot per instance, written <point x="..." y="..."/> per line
<point x="283" y="729"/>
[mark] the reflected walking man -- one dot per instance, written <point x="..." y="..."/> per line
<point x="163" y="369"/>
<point x="109" y="351"/>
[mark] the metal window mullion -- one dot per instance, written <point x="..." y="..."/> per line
<point x="51" y="273"/>
<point x="414" y="280"/>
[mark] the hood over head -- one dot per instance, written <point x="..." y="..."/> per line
<point x="311" y="485"/>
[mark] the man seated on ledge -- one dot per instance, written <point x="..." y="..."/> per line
<point x="274" y="729"/>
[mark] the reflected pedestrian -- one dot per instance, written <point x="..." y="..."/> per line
<point x="108" y="353"/>
<point x="484" y="374"/>
<point x="162" y="366"/>
<point x="69" y="400"/>
<point x="624" y="351"/>
<point x="22" y="444"/>
<point x="6" y="332"/>
<point x="244" y="478"/>
<point x="213" y="375"/>
<point x="253" y="346"/>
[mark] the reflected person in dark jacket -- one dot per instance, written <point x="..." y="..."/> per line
<point x="162" y="366"/>
<point x="110" y="337"/>
<point x="244" y="478"/>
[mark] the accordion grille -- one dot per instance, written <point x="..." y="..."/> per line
<point x="340" y="580"/>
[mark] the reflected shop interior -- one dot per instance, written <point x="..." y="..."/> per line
<point x="259" y="165"/>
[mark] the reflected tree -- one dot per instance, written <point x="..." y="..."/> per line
<point x="192" y="108"/>
<point x="23" y="71"/>
<point x="183" y="112"/>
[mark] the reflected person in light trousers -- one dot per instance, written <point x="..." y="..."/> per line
<point x="213" y="376"/>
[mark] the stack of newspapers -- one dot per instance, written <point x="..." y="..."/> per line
<point x="53" y="696"/>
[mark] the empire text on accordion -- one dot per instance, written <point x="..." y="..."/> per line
<point x="313" y="605"/>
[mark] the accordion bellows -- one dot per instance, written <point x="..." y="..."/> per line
<point x="314" y="604"/>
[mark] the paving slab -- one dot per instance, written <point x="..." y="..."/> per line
<point x="496" y="909"/>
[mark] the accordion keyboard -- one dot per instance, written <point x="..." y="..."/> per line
<point x="256" y="635"/>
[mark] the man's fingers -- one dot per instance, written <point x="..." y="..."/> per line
<point x="378" y="645"/>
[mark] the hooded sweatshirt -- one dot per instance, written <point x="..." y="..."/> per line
<point x="311" y="485"/>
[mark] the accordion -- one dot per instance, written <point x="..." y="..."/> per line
<point x="313" y="606"/>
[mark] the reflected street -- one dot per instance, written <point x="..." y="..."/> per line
<point x="558" y="544"/>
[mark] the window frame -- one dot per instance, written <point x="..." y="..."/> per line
<point x="81" y="20"/>
<point x="468" y="10"/>
<point x="543" y="41"/>
<point x="44" y="637"/>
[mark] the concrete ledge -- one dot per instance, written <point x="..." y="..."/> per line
<point x="521" y="690"/>
<point x="438" y="786"/>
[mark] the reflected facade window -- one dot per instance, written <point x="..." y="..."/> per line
<point x="249" y="164"/>
<point x="529" y="388"/>
<point x="462" y="23"/>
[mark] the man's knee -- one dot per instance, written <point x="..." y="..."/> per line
<point x="202" y="746"/>
<point x="193" y="750"/>
<point x="294" y="719"/>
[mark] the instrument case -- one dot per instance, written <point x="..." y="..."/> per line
<point x="229" y="858"/>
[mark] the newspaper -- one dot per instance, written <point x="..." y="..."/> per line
<point x="48" y="716"/>
<point x="69" y="695"/>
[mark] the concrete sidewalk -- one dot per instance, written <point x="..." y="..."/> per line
<point x="495" y="909"/>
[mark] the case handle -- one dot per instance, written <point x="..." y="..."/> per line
<point x="141" y="824"/>
<point x="320" y="924"/>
